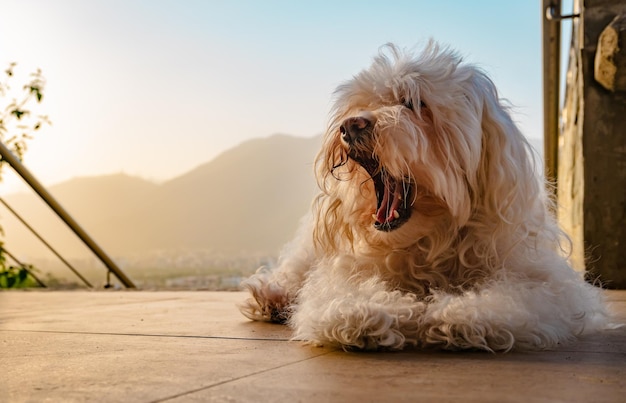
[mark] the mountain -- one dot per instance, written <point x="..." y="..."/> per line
<point x="247" y="200"/>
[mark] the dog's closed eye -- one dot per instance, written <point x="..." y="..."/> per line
<point x="409" y="103"/>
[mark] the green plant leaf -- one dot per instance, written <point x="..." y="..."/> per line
<point x="18" y="113"/>
<point x="22" y="275"/>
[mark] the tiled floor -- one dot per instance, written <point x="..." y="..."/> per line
<point x="123" y="346"/>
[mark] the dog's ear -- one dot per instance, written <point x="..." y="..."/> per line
<point x="506" y="187"/>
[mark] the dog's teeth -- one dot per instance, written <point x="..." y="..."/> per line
<point x="396" y="215"/>
<point x="374" y="217"/>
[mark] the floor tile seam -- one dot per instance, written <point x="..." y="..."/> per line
<point x="238" y="378"/>
<point x="155" y="335"/>
<point x="206" y="337"/>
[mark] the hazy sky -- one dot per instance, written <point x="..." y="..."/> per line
<point x="154" y="88"/>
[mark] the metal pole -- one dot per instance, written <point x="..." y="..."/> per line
<point x="23" y="266"/>
<point x="8" y="156"/>
<point x="32" y="230"/>
<point x="551" y="25"/>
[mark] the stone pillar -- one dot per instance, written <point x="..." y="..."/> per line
<point x="592" y="146"/>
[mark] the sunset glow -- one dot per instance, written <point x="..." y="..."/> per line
<point x="155" y="88"/>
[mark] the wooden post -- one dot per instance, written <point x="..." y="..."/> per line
<point x="551" y="58"/>
<point x="592" y="153"/>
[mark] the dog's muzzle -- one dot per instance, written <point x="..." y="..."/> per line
<point x="393" y="195"/>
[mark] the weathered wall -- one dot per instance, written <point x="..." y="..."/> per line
<point x="592" y="152"/>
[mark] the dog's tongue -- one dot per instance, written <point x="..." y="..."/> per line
<point x="387" y="211"/>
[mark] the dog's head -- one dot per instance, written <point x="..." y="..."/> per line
<point x="416" y="139"/>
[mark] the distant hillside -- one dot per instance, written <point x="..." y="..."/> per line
<point x="247" y="200"/>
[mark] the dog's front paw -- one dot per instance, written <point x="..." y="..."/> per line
<point x="365" y="329"/>
<point x="269" y="301"/>
<point x="359" y="326"/>
<point x="391" y="339"/>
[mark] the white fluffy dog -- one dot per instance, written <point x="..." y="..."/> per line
<point x="432" y="227"/>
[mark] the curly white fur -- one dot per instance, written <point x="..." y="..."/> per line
<point x="432" y="227"/>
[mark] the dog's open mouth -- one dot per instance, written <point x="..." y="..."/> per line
<point x="393" y="201"/>
<point x="393" y="195"/>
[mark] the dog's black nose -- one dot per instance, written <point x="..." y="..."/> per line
<point x="353" y="128"/>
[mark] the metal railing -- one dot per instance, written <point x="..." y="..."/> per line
<point x="15" y="163"/>
<point x="23" y="266"/>
<point x="50" y="248"/>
